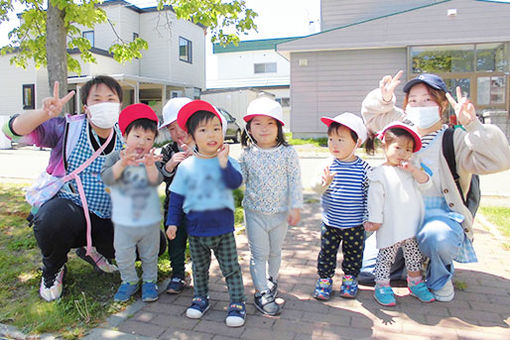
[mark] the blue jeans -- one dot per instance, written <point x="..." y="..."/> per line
<point x="440" y="239"/>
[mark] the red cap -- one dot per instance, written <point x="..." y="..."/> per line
<point x="133" y="112"/>
<point x="194" y="106"/>
<point x="408" y="128"/>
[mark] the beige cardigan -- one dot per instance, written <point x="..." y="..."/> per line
<point x="481" y="149"/>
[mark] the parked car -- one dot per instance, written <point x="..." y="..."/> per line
<point x="233" y="128"/>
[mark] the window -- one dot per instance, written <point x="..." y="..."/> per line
<point x="491" y="58"/>
<point x="438" y="59"/>
<point x="89" y="35"/>
<point x="185" y="50"/>
<point x="264" y="68"/>
<point x="135" y="35"/>
<point x="28" y="97"/>
<point x="284" y="102"/>
<point x="491" y="90"/>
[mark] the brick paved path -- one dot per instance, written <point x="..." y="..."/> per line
<point x="480" y="311"/>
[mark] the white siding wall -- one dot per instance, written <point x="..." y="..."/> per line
<point x="162" y="31"/>
<point x="11" y="90"/>
<point x="336" y="13"/>
<point x="237" y="69"/>
<point x="335" y="82"/>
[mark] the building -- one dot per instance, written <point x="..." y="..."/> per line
<point x="245" y="70"/>
<point x="173" y="65"/>
<point x="467" y="42"/>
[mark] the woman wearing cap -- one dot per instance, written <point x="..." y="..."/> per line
<point x="395" y="184"/>
<point x="173" y="154"/>
<point x="446" y="234"/>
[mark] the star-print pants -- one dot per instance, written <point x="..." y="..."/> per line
<point x="352" y="248"/>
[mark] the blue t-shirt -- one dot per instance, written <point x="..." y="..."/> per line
<point x="206" y="192"/>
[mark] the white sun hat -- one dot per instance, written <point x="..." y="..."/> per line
<point x="171" y="109"/>
<point x="263" y="106"/>
<point x="350" y="120"/>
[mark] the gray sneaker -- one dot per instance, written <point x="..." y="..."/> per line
<point x="445" y="294"/>
<point x="266" y="304"/>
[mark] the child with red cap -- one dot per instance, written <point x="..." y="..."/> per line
<point x="133" y="179"/>
<point x="395" y="184"/>
<point x="201" y="199"/>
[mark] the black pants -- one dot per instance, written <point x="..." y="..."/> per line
<point x="60" y="225"/>
<point x="177" y="250"/>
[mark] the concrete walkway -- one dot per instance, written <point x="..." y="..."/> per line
<point x="480" y="310"/>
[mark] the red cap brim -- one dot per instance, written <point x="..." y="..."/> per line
<point x="417" y="139"/>
<point x="189" y="109"/>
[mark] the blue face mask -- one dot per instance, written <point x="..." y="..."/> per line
<point x="423" y="117"/>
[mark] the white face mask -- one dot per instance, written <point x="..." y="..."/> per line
<point x="423" y="116"/>
<point x="104" y="115"/>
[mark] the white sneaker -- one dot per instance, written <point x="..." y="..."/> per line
<point x="51" y="288"/>
<point x="445" y="294"/>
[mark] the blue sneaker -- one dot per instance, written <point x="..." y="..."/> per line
<point x="349" y="288"/>
<point x="125" y="291"/>
<point x="323" y="289"/>
<point x="421" y="292"/>
<point x="175" y="286"/>
<point x="384" y="296"/>
<point x="273" y="286"/>
<point x="199" y="305"/>
<point x="236" y="314"/>
<point x="149" y="291"/>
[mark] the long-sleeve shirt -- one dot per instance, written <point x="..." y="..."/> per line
<point x="273" y="179"/>
<point x="167" y="152"/>
<point x="135" y="200"/>
<point x="344" y="202"/>
<point x="201" y="192"/>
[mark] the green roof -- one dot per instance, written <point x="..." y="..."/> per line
<point x="251" y="45"/>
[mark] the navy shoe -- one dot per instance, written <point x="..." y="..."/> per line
<point x="236" y="314"/>
<point x="199" y="306"/>
<point x="175" y="286"/>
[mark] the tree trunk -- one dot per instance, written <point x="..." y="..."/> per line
<point x="56" y="49"/>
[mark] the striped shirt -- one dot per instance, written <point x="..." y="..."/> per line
<point x="344" y="203"/>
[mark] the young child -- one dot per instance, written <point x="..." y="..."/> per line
<point x="273" y="196"/>
<point x="344" y="186"/>
<point x="173" y="154"/>
<point x="133" y="178"/>
<point x="395" y="185"/>
<point x="201" y="199"/>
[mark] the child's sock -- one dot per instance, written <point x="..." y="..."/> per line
<point x="413" y="280"/>
<point x="385" y="283"/>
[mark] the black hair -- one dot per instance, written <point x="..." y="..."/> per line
<point x="111" y="83"/>
<point x="144" y="123"/>
<point x="196" y="118"/>
<point x="389" y="136"/>
<point x="247" y="140"/>
<point x="335" y="126"/>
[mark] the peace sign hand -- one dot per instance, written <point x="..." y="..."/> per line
<point x="388" y="85"/>
<point x="464" y="109"/>
<point x="52" y="106"/>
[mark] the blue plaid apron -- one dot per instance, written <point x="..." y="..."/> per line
<point x="98" y="199"/>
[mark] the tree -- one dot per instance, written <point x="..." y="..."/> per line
<point x="46" y="33"/>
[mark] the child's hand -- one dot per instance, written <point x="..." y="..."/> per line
<point x="52" y="106"/>
<point x="175" y="160"/>
<point x="464" y="109"/>
<point x="150" y="158"/>
<point x="223" y="155"/>
<point x="327" y="177"/>
<point x="127" y="157"/>
<point x="408" y="166"/>
<point x="371" y="226"/>
<point x="294" y="217"/>
<point x="388" y="85"/>
<point x="171" y="232"/>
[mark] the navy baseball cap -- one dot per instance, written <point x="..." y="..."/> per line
<point x="429" y="79"/>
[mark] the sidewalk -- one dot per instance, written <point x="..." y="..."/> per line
<point x="480" y="311"/>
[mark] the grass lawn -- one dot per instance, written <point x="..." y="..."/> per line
<point x="499" y="216"/>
